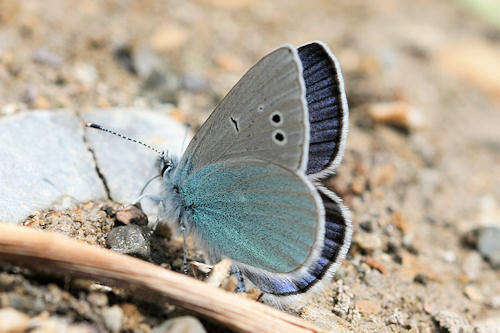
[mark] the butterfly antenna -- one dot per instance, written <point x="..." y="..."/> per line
<point x="99" y="127"/>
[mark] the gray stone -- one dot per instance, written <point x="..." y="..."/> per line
<point x="452" y="322"/>
<point x="180" y="325"/>
<point x="43" y="157"/>
<point x="46" y="57"/>
<point x="488" y="244"/>
<point x="127" y="166"/>
<point x="130" y="239"/>
<point x="146" y="61"/>
<point x="193" y="82"/>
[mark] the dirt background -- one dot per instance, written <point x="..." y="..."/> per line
<point x="421" y="169"/>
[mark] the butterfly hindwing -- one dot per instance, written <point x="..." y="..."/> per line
<point x="283" y="232"/>
<point x="332" y="249"/>
<point x="327" y="108"/>
<point x="254" y="212"/>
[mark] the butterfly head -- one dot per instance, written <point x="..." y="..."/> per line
<point x="166" y="164"/>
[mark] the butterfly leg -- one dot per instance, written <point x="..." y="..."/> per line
<point x="157" y="219"/>
<point x="184" y="254"/>
<point x="240" y="288"/>
<point x="153" y="198"/>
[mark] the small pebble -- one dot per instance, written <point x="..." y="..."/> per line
<point x="471" y="266"/>
<point x="452" y="322"/>
<point x="366" y="226"/>
<point x="12" y="320"/>
<point x="421" y="278"/>
<point x="193" y="83"/>
<point x="183" y="324"/>
<point x="168" y="37"/>
<point x="124" y="56"/>
<point x="85" y="73"/>
<point x="129" y="239"/>
<point x="473" y="293"/>
<point x="398" y="318"/>
<point x="145" y="61"/>
<point x="488" y="244"/>
<point x="494" y="302"/>
<point x="449" y="256"/>
<point x="367" y="307"/>
<point x="342" y="302"/>
<point x="398" y="114"/>
<point x="398" y="220"/>
<point x="29" y="95"/>
<point x="41" y="102"/>
<point x="113" y="318"/>
<point x="368" y="242"/>
<point x="98" y="299"/>
<point x="132" y="315"/>
<point x="132" y="215"/>
<point x="46" y="57"/>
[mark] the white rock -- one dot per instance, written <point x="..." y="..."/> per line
<point x="43" y="157"/>
<point x="85" y="73"/>
<point x="12" y="320"/>
<point x="181" y="325"/>
<point x="113" y="318"/>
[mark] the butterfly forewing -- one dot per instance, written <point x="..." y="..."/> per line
<point x="263" y="117"/>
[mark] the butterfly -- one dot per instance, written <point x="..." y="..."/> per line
<point x="249" y="185"/>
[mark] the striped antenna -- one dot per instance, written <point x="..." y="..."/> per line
<point x="99" y="127"/>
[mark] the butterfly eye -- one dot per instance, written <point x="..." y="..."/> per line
<point x="276" y="118"/>
<point x="279" y="137"/>
<point x="166" y="166"/>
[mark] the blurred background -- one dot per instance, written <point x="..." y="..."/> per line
<point x="421" y="172"/>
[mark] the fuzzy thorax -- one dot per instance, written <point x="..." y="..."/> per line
<point x="171" y="208"/>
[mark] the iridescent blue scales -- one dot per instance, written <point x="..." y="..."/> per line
<point x="249" y="184"/>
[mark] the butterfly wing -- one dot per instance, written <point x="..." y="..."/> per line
<point x="263" y="116"/>
<point x="244" y="186"/>
<point x="327" y="108"/>
<point x="290" y="108"/>
<point x="269" y="220"/>
<point x="257" y="213"/>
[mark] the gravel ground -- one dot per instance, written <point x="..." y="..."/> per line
<point x="420" y="173"/>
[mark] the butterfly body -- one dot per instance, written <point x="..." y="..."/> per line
<point x="249" y="185"/>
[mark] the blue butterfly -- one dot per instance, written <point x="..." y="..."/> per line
<point x="248" y="186"/>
